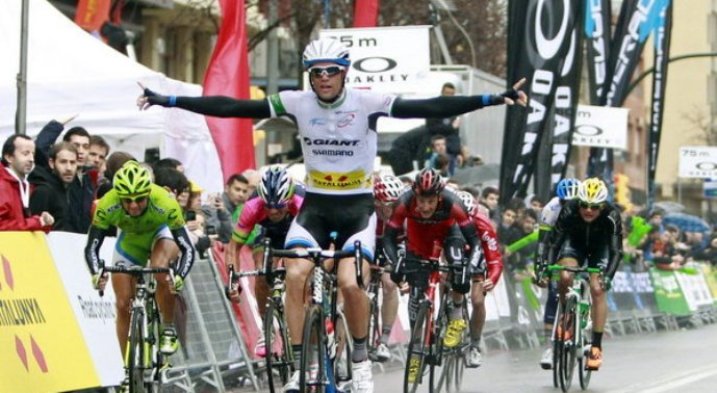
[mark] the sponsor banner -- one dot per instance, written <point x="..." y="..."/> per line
<point x="637" y="19"/>
<point x="599" y="126"/>
<point x="92" y="14"/>
<point x="709" y="189"/>
<point x="694" y="287"/>
<point x="41" y="344"/>
<point x="539" y="37"/>
<point x="698" y="162"/>
<point x="381" y="60"/>
<point x="659" y="87"/>
<point x="597" y="41"/>
<point x="711" y="278"/>
<point x="554" y="152"/>
<point x="668" y="294"/>
<point x="94" y="314"/>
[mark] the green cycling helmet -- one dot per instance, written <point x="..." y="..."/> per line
<point x="132" y="181"/>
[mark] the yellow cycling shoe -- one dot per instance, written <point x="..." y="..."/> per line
<point x="413" y="368"/>
<point x="454" y="334"/>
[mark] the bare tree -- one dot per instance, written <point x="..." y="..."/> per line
<point x="706" y="125"/>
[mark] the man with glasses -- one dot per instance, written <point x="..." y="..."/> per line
<point x="151" y="229"/>
<point x="271" y="214"/>
<point x="589" y="230"/>
<point x="337" y="129"/>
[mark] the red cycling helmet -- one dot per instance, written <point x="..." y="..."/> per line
<point x="428" y="182"/>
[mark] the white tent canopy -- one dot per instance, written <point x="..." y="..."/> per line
<point x="70" y="72"/>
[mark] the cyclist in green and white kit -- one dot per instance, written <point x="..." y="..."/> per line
<point x="151" y="228"/>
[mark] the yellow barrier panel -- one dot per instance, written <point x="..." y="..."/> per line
<point x="41" y="346"/>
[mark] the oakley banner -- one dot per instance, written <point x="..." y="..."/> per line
<point x="637" y="19"/>
<point x="659" y="87"/>
<point x="698" y="162"/>
<point x="598" y="126"/>
<point x="597" y="42"/>
<point x="539" y="41"/>
<point x="386" y="59"/>
<point x="554" y="150"/>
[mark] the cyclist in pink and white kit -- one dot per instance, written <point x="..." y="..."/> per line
<point x="272" y="211"/>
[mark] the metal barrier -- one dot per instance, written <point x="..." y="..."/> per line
<point x="212" y="348"/>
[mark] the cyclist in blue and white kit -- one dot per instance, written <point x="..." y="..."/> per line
<point x="337" y="127"/>
<point x="565" y="190"/>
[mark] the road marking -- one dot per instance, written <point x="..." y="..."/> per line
<point x="672" y="383"/>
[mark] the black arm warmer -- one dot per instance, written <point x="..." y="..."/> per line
<point x="390" y="245"/>
<point x="471" y="236"/>
<point x="442" y="106"/>
<point x="615" y="245"/>
<point x="221" y="106"/>
<point x="95" y="237"/>
<point x="186" y="260"/>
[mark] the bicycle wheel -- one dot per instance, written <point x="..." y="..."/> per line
<point x="557" y="347"/>
<point x="451" y="361"/>
<point x="374" y="327"/>
<point x="279" y="358"/>
<point x="135" y="353"/>
<point x="586" y="321"/>
<point x="314" y="359"/>
<point x="154" y="381"/>
<point x="344" y="347"/>
<point x="569" y="324"/>
<point x="419" y="349"/>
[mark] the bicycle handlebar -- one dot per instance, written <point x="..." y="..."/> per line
<point x="574" y="269"/>
<point x="135" y="271"/>
<point x="431" y="264"/>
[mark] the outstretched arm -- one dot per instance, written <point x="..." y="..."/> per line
<point x="445" y="106"/>
<point x="219" y="106"/>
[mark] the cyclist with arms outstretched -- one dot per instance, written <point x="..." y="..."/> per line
<point x="272" y="210"/>
<point x="151" y="228"/>
<point x="484" y="276"/>
<point x="566" y="190"/>
<point x="430" y="213"/>
<point x="589" y="230"/>
<point x="337" y="129"/>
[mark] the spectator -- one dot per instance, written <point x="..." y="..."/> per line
<point x="112" y="165"/>
<point x="82" y="189"/>
<point x="17" y="162"/>
<point x="51" y="193"/>
<point x="253" y="177"/>
<point x="489" y="197"/>
<point x="536" y="204"/>
<point x="438" y="158"/>
<point x="709" y="254"/>
<point x="99" y="150"/>
<point x="449" y="129"/>
<point x="172" y="180"/>
<point x="507" y="232"/>
<point x="169" y="163"/>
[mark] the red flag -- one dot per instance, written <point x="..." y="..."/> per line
<point x="228" y="75"/>
<point x="92" y="14"/>
<point x="366" y="13"/>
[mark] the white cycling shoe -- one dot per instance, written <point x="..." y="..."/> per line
<point x="546" y="361"/>
<point x="362" y="377"/>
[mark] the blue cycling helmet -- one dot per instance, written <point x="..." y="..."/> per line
<point x="275" y="187"/>
<point x="567" y="188"/>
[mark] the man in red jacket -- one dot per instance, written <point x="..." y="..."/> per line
<point x="17" y="162"/>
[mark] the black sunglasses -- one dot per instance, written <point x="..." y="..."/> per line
<point x="138" y="199"/>
<point x="317" y="72"/>
<point x="591" y="206"/>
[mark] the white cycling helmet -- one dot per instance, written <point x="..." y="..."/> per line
<point x="468" y="201"/>
<point x="592" y="191"/>
<point x="326" y="50"/>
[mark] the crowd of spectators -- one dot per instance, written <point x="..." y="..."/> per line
<point x="51" y="183"/>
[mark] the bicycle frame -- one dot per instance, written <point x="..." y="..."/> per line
<point x="144" y="306"/>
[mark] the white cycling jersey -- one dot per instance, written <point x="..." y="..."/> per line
<point x="550" y="212"/>
<point x="339" y="141"/>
